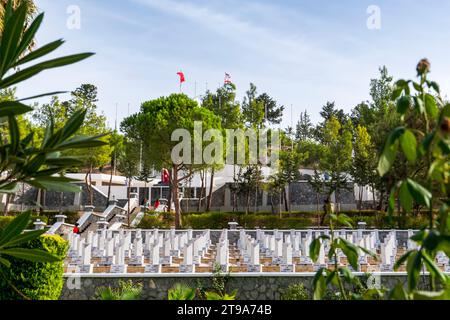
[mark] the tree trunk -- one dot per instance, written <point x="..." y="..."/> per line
<point x="88" y="180"/>
<point x="42" y="202"/>
<point x="91" y="193"/>
<point x="380" y="203"/>
<point x="176" y="197"/>
<point x="361" y="190"/>
<point x="337" y="199"/>
<point x="256" y="201"/>
<point x="289" y="197"/>
<point x="169" y="197"/>
<point x="202" y="178"/>
<point x="61" y="200"/>
<point x="22" y="204"/>
<point x="373" y="198"/>
<point x="286" y="204"/>
<point x="280" y="195"/>
<point x="208" y="205"/>
<point x="145" y="194"/>
<point x="8" y="199"/>
<point x="129" y="207"/>
<point x="317" y="208"/>
<point x="247" y="203"/>
<point x="109" y="187"/>
<point x="271" y="204"/>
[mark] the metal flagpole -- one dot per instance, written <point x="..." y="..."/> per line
<point x="115" y="151"/>
<point x="292" y="128"/>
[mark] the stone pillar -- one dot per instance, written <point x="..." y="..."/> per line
<point x="102" y="224"/>
<point x="233" y="225"/>
<point x="61" y="218"/>
<point x="362" y="225"/>
<point x="113" y="201"/>
<point x="39" y="225"/>
<point x="89" y="208"/>
<point x="134" y="195"/>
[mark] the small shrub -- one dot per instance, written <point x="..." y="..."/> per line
<point x="126" y="291"/>
<point x="150" y="222"/>
<point x="72" y="216"/>
<point x="296" y="292"/>
<point x="36" y="280"/>
<point x="4" y="221"/>
<point x="332" y="295"/>
<point x="217" y="296"/>
<point x="181" y="292"/>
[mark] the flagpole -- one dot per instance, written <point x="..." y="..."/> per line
<point x="115" y="151"/>
<point x="292" y="126"/>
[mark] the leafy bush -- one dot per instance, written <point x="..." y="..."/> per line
<point x="6" y="220"/>
<point x="181" y="292"/>
<point x="35" y="280"/>
<point x="72" y="216"/>
<point x="217" y="296"/>
<point x="296" y="292"/>
<point x="126" y="291"/>
<point x="150" y="222"/>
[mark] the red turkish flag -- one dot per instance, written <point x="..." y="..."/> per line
<point x="182" y="78"/>
<point x="165" y="178"/>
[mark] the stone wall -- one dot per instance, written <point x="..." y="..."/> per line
<point x="52" y="199"/>
<point x="250" y="287"/>
<point x="100" y="201"/>
<point x="303" y="198"/>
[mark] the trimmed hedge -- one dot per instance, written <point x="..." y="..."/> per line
<point x="150" y="222"/>
<point x="218" y="220"/>
<point x="37" y="281"/>
<point x="72" y="216"/>
<point x="49" y="216"/>
<point x="296" y="220"/>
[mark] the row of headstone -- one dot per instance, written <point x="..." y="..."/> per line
<point x="282" y="249"/>
<point x="112" y="248"/>
<point x="153" y="249"/>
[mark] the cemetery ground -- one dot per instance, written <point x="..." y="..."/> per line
<point x="230" y="261"/>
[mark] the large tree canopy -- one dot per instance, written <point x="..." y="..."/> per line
<point x="154" y="125"/>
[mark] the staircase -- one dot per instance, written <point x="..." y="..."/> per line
<point x="114" y="215"/>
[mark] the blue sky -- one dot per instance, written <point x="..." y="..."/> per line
<point x="303" y="53"/>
